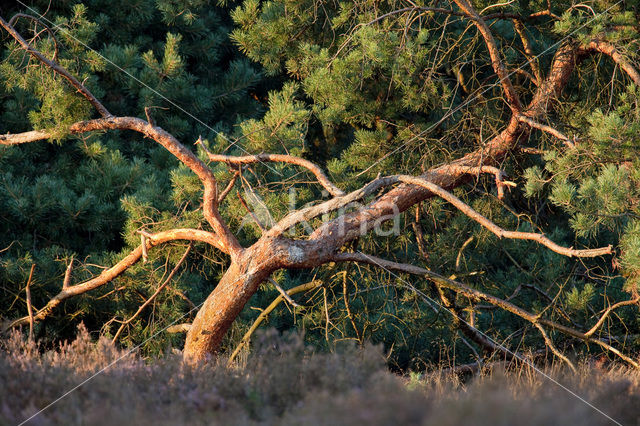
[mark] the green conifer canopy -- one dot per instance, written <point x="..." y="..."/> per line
<point x="362" y="89"/>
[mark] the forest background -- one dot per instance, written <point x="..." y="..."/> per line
<point x="361" y="89"/>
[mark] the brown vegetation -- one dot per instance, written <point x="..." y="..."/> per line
<point x="284" y="383"/>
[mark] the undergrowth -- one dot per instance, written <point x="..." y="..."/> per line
<point x="284" y="382"/>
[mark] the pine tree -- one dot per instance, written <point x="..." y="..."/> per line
<point x="467" y="97"/>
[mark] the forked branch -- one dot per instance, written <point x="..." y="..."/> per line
<point x="498" y="231"/>
<point x="278" y="158"/>
<point x="477" y="295"/>
<point x="118" y="269"/>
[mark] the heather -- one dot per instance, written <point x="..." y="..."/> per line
<point x="284" y="382"/>
<point x="403" y="190"/>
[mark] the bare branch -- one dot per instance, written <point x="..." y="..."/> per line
<point x="56" y="68"/>
<point x="26" y="137"/>
<point x="528" y="51"/>
<point x="109" y="274"/>
<point x="229" y="187"/>
<point x="609" y="49"/>
<point x="333" y="204"/>
<point x="495" y="229"/>
<point x="501" y="184"/>
<point x="608" y="311"/>
<point x="253" y="216"/>
<point x="154" y="295"/>
<point x="548" y="129"/>
<point x="17" y="16"/>
<point x="67" y="275"/>
<point x="550" y="345"/>
<point x="284" y="293"/>
<point x="29" y="307"/>
<point x="279" y="158"/>
<point x="512" y="96"/>
<point x="227" y="242"/>
<point x="475" y="294"/>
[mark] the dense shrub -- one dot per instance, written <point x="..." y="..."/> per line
<point x="285" y="383"/>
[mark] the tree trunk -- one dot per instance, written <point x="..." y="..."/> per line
<point x="221" y="308"/>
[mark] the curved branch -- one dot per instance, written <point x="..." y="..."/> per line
<point x="495" y="229"/>
<point x="17" y="16"/>
<point x="475" y="294"/>
<point x="610" y="50"/>
<point x="56" y="68"/>
<point x="512" y="96"/>
<point x="109" y="274"/>
<point x="279" y="158"/>
<point x="610" y="309"/>
<point x="228" y="242"/>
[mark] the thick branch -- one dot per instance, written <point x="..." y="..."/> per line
<point x="609" y="49"/>
<point x="227" y="242"/>
<point x="119" y="268"/>
<point x="56" y="68"/>
<point x="26" y="137"/>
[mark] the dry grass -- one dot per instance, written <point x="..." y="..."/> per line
<point x="284" y="383"/>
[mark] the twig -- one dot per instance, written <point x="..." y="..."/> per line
<point x="284" y="293"/>
<point x="46" y="27"/>
<point x="556" y="352"/>
<point x="253" y="216"/>
<point x="56" y="68"/>
<point x="143" y="244"/>
<point x="29" y="308"/>
<point x="67" y="275"/>
<point x="547" y="129"/>
<point x="229" y="187"/>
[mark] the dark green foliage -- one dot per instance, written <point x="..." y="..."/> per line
<point x="357" y="93"/>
